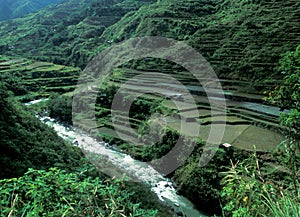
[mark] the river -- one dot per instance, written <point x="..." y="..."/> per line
<point x="111" y="160"/>
<point x="134" y="169"/>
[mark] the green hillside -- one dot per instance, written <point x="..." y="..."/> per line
<point x="30" y="79"/>
<point x="65" y="34"/>
<point x="29" y="152"/>
<point x="28" y="143"/>
<point x="240" y="39"/>
<point x="246" y="42"/>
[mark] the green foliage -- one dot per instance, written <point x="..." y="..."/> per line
<point x="15" y="84"/>
<point x="72" y="33"/>
<point x="247" y="192"/>
<point x="66" y="34"/>
<point x="29" y="79"/>
<point x="106" y="95"/>
<point x="60" y="107"/>
<point x="250" y="187"/>
<point x="57" y="193"/>
<point x="26" y="142"/>
<point x="284" y="206"/>
<point x="202" y="184"/>
<point x="153" y="130"/>
<point x="242" y="190"/>
<point x="255" y="36"/>
<point x="161" y="147"/>
<point x="287" y="95"/>
<point x="142" y="108"/>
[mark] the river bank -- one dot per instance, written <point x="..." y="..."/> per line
<point x="112" y="162"/>
<point x="243" y="129"/>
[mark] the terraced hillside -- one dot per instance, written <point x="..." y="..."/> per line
<point x="246" y="122"/>
<point x="66" y="33"/>
<point x="241" y="39"/>
<point x="29" y="79"/>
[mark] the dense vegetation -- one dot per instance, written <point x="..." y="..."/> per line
<point x="29" y="79"/>
<point x="253" y="187"/>
<point x="204" y="184"/>
<point x="243" y="40"/>
<point x="57" y="193"/>
<point x="27" y="143"/>
<point x="240" y="39"/>
<point x="73" y="187"/>
<point x="65" y="34"/>
<point x="249" y="189"/>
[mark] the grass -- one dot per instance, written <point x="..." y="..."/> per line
<point x="284" y="207"/>
<point x="240" y="123"/>
<point x="263" y="139"/>
<point x="39" y="78"/>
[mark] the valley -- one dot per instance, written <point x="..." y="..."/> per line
<point x="246" y="121"/>
<point x="225" y="145"/>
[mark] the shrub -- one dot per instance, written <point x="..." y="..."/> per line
<point x="246" y="192"/>
<point x="57" y="193"/>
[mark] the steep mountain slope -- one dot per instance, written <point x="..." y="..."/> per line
<point x="17" y="8"/>
<point x="66" y="33"/>
<point x="240" y="39"/>
<point x="28" y="79"/>
<point x="26" y="142"/>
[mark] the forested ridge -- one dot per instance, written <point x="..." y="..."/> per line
<point x="65" y="34"/>
<point x="240" y="39"/>
<point x="253" y="46"/>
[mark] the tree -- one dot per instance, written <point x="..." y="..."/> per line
<point x="60" y="107"/>
<point x="247" y="191"/>
<point x="26" y="142"/>
<point x="287" y="93"/>
<point x="287" y="96"/>
<point x="58" y="193"/>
